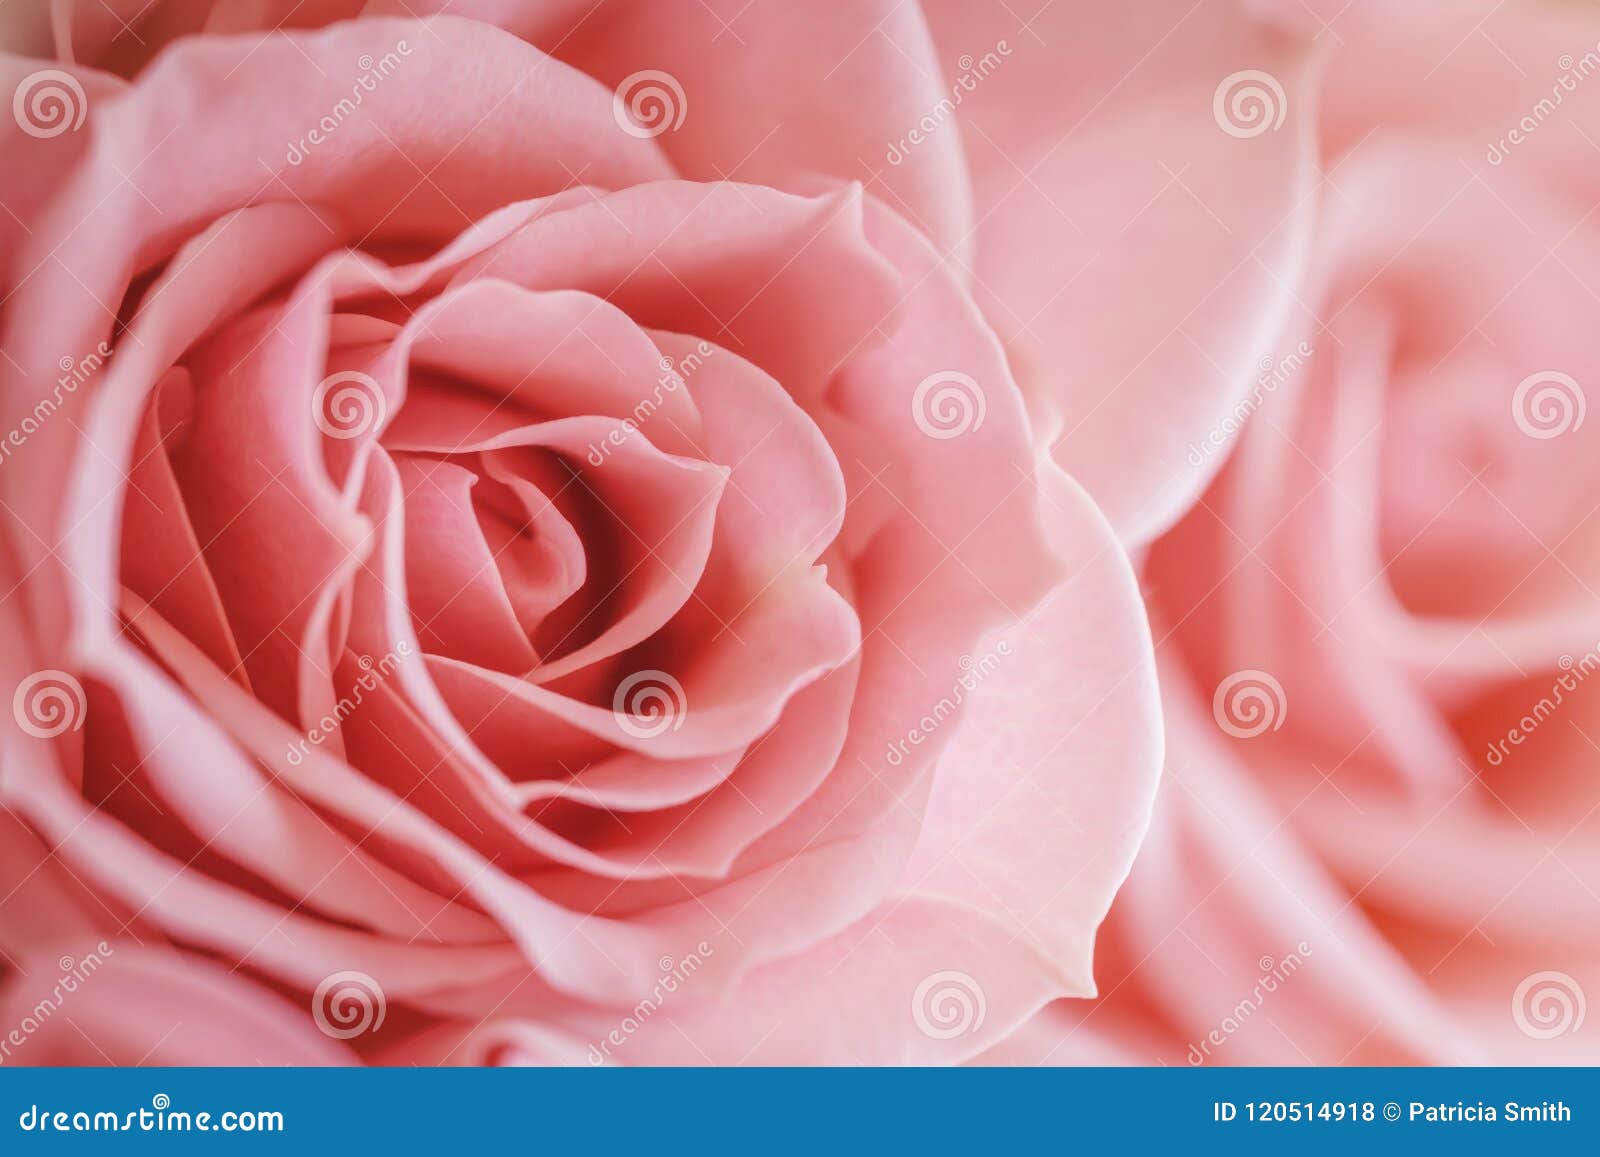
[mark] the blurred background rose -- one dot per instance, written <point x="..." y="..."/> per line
<point x="1379" y="629"/>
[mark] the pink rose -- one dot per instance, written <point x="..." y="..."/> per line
<point x="540" y="534"/>
<point x="1378" y="630"/>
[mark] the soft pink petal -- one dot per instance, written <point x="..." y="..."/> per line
<point x="1137" y="259"/>
<point x="1043" y="796"/>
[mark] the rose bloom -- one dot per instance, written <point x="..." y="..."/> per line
<point x="548" y="533"/>
<point x="1379" y="630"/>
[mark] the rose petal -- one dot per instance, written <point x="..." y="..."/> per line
<point x="1044" y="794"/>
<point x="1124" y="187"/>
